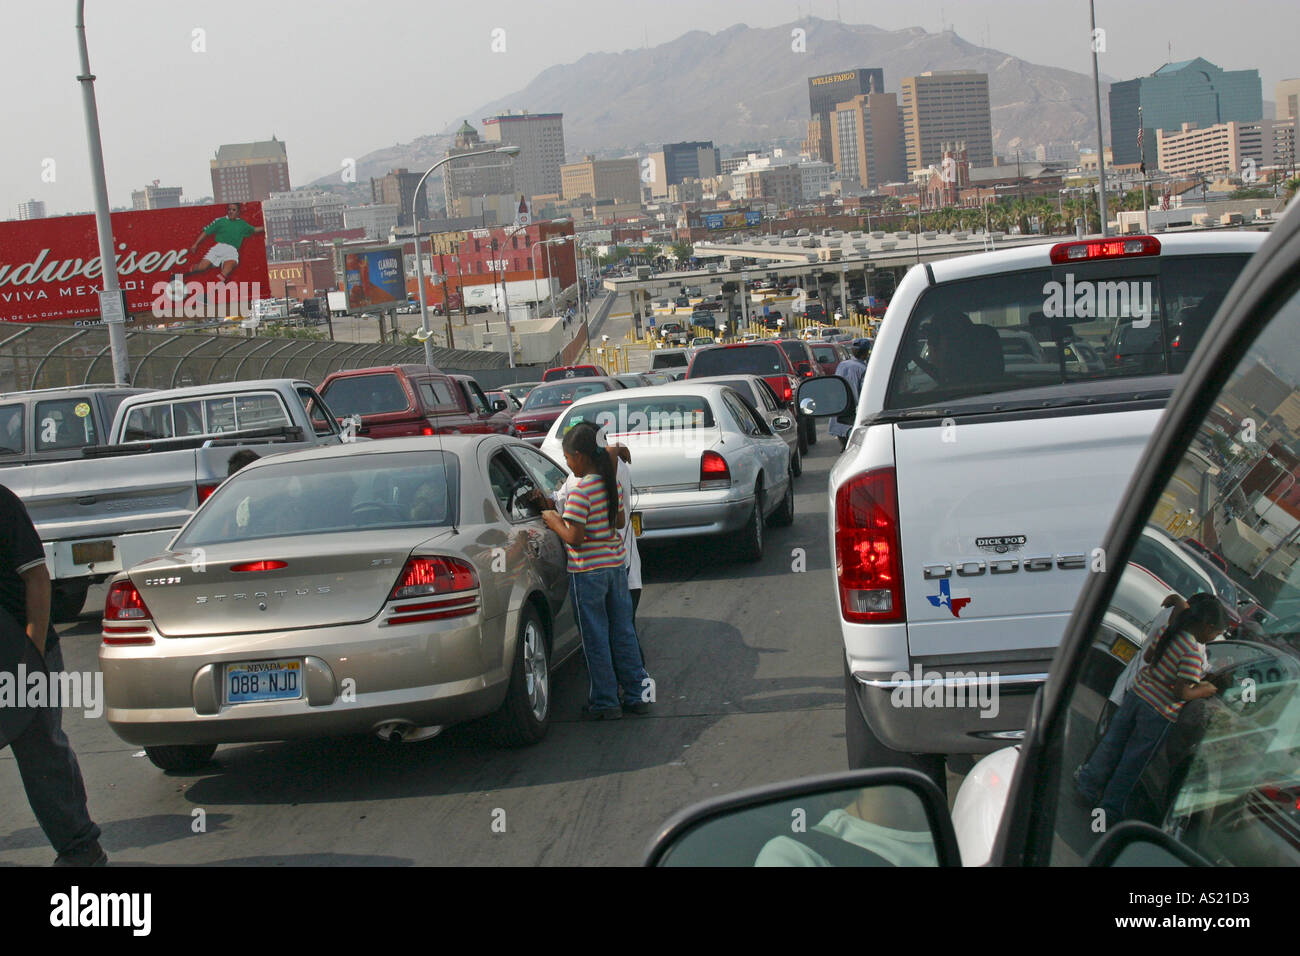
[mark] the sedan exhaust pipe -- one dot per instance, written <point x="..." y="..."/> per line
<point x="405" y="732"/>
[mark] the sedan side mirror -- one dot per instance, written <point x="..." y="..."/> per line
<point x="780" y="423"/>
<point x="891" y="817"/>
<point x="825" y="397"/>
<point x="499" y="405"/>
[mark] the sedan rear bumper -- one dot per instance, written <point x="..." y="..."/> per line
<point x="354" y="678"/>
<point x="680" y="519"/>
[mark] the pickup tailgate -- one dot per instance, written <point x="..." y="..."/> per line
<point x="969" y="492"/>
<point x="105" y="497"/>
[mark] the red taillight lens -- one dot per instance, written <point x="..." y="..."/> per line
<point x="259" y="566"/>
<point x="1119" y="248"/>
<point x="125" y="606"/>
<point x="713" y="468"/>
<point x="787" y="391"/>
<point x="426" y="430"/>
<point x="867" y="561"/>
<point x="439" y="575"/>
<point x="205" y="491"/>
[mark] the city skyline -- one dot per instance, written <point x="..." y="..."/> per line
<point x="49" y="137"/>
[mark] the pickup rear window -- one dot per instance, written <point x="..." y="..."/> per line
<point x="65" y="423"/>
<point x="1042" y="327"/>
<point x="11" y="429"/>
<point x="366" y="395"/>
<point x="748" y="359"/>
<point x="204" y="416"/>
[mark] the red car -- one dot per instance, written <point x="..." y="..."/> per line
<point x="828" y="356"/>
<point x="397" y="400"/>
<point x="573" y="371"/>
<point x="547" y="402"/>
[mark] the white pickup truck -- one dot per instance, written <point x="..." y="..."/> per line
<point x="1004" y="408"/>
<point x="121" y="502"/>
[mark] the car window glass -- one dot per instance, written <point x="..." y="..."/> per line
<point x="220" y="414"/>
<point x="264" y="410"/>
<point x="148" y="423"/>
<point x="1216" y="765"/>
<point x="63" y="423"/>
<point x="546" y="474"/>
<point x="438" y="394"/>
<point x="377" y="394"/>
<point x="744" y="419"/>
<point x="1193" y="288"/>
<point x="477" y="399"/>
<point x="11" y="429"/>
<point x="748" y="359"/>
<point x="188" y="417"/>
<point x="322" y="421"/>
<point x="505" y="476"/>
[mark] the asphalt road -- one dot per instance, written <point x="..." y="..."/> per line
<point x="749" y="682"/>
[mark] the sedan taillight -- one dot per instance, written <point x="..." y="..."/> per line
<point x="868" y="566"/>
<point x="447" y="586"/>
<point x="714" y="472"/>
<point x="126" y="617"/>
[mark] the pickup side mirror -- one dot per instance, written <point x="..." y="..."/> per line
<point x="1133" y="843"/>
<point x="825" y="397"/>
<point x="499" y="405"/>
<point x="814" y="822"/>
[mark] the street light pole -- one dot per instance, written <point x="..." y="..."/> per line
<point x="111" y="306"/>
<point x="1101" y="144"/>
<point x="419" y="260"/>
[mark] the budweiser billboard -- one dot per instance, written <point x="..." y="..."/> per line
<point x="186" y="262"/>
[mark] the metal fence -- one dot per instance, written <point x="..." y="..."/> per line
<point x="51" y="356"/>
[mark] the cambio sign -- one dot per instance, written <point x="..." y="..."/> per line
<point x="50" y="268"/>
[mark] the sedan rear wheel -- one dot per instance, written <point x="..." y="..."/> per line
<point x="750" y="541"/>
<point x="526" y="713"/>
<point x="783" y="516"/>
<point x="181" y="756"/>
<point x="796" y="462"/>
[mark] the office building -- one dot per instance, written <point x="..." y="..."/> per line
<point x="378" y="220"/>
<point x="540" y="138"/>
<point x="289" y="216"/>
<point x="941" y="106"/>
<point x="1287" y="99"/>
<point x="397" y="188"/>
<point x="156" y="197"/>
<point x="867" y="140"/>
<point x="472" y="185"/>
<point x="825" y="94"/>
<point x="618" y="179"/>
<point x="678" y="161"/>
<point x="1189" y="91"/>
<point x="249" y="172"/>
<point x="32" y="209"/>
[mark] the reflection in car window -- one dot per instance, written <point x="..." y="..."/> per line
<point x="11" y="429"/>
<point x="63" y="423"/>
<point x="1222" y="773"/>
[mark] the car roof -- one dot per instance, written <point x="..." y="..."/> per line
<point x="459" y="444"/>
<point x="691" y="386"/>
<point x="1028" y="257"/>
<point x="220" y="388"/>
<point x="407" y="369"/>
<point x="584" y="380"/>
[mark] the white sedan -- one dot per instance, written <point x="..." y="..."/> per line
<point x="702" y="463"/>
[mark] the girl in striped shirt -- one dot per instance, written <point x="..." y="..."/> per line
<point x="1175" y="664"/>
<point x="593" y="511"/>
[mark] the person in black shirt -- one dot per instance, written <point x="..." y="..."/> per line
<point x="51" y="775"/>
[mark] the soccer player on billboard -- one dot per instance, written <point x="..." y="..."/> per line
<point x="228" y="234"/>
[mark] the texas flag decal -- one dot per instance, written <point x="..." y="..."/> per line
<point x="945" y="598"/>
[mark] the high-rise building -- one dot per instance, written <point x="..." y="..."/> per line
<point x="1189" y="91"/>
<point x="540" y="138"/>
<point x="477" y="177"/>
<point x="249" y="172"/>
<point x="940" y="106"/>
<point x="678" y="161"/>
<point x="1287" y="99"/>
<point x="289" y="216"/>
<point x="1227" y="148"/>
<point x="825" y="93"/>
<point x="867" y="140"/>
<point x="377" y="220"/>
<point x="617" y="179"/>
<point x="32" y="209"/>
<point x="154" y="196"/>
<point x="397" y="188"/>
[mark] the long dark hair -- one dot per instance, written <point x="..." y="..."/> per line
<point x="1202" y="609"/>
<point x="581" y="440"/>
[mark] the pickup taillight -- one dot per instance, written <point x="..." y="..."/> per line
<point x="868" y="566"/>
<point x="126" y="617"/>
<point x="440" y="587"/>
<point x="206" y="488"/>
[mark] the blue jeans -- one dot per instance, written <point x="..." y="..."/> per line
<point x="1134" y="734"/>
<point x="604" y="608"/>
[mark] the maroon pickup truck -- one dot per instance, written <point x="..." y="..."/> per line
<point x="397" y="400"/>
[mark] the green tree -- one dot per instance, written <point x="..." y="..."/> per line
<point x="682" y="251"/>
<point x="1251" y="192"/>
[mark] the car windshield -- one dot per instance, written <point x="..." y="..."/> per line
<point x="1003" y="332"/>
<point x="749" y="359"/>
<point x="320" y="496"/>
<point x="366" y="394"/>
<point x="561" y="393"/>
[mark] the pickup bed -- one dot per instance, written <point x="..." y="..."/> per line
<point x="971" y="501"/>
<point x="121" y="502"/>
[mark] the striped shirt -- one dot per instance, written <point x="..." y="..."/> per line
<point x="603" y="546"/>
<point x="1183" y="660"/>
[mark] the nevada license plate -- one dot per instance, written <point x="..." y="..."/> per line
<point x="636" y="524"/>
<point x="86" y="552"/>
<point x="263" y="680"/>
<point x="1123" y="649"/>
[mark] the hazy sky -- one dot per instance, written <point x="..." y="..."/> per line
<point x="339" y="78"/>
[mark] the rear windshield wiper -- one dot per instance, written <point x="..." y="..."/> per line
<point x="1022" y="405"/>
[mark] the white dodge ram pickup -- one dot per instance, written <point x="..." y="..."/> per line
<point x="1004" y="407"/>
